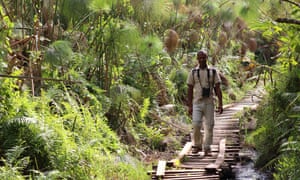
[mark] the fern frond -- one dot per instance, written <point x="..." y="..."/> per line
<point x="145" y="108"/>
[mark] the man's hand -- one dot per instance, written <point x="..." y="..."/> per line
<point x="219" y="95"/>
<point x="190" y="99"/>
<point x="190" y="111"/>
<point x="220" y="109"/>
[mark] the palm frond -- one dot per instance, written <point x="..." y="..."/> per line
<point x="74" y="10"/>
<point x="122" y="93"/>
<point x="100" y="5"/>
<point x="151" y="10"/>
<point x="14" y="157"/>
<point x="289" y="146"/>
<point x="129" y="35"/>
<point x="59" y="53"/>
<point x="151" y="46"/>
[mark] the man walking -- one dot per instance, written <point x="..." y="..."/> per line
<point x="203" y="83"/>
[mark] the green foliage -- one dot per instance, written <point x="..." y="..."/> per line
<point x="127" y="35"/>
<point x="6" y="30"/>
<point x="99" y="5"/>
<point x="111" y="36"/>
<point x="150" y="14"/>
<point x="59" y="54"/>
<point x="290" y="42"/>
<point x="124" y="73"/>
<point x="9" y="98"/>
<point x="278" y="120"/>
<point x="122" y="167"/>
<point x="73" y="11"/>
<point x="288" y="167"/>
<point x="248" y="10"/>
<point x="152" y="135"/>
<point x="231" y="68"/>
<point x="178" y="77"/>
<point x="211" y="7"/>
<point x="289" y="161"/>
<point x="145" y="108"/>
<point x="125" y="103"/>
<point x="145" y="70"/>
<point x="69" y="144"/>
<point x="36" y="145"/>
<point x="150" y="47"/>
<point x="123" y="36"/>
<point x="9" y="172"/>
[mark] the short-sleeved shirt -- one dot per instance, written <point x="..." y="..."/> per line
<point x="199" y="81"/>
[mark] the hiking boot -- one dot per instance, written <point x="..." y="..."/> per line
<point x="207" y="152"/>
<point x="196" y="149"/>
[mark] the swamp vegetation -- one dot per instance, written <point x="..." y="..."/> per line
<point x="96" y="89"/>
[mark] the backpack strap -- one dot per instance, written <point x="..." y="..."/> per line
<point x="208" y="75"/>
<point x="196" y="70"/>
<point x="214" y="74"/>
<point x="193" y="71"/>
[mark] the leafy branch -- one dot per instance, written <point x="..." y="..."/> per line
<point x="288" y="21"/>
<point x="39" y="78"/>
<point x="292" y="2"/>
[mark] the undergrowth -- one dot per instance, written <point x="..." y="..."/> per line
<point x="277" y="136"/>
<point x="38" y="142"/>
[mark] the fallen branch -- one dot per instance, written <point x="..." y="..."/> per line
<point x="39" y="78"/>
<point x="288" y="21"/>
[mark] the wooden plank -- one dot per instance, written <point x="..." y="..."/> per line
<point x="226" y="130"/>
<point x="179" y="171"/>
<point x="160" y="172"/>
<point x="206" y="177"/>
<point x="198" y="178"/>
<point x="220" y="159"/>
<point x="191" y="166"/>
<point x="188" y="174"/>
<point x="187" y="147"/>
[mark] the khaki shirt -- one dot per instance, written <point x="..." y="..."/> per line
<point x="198" y="84"/>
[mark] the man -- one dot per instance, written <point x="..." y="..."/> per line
<point x="203" y="82"/>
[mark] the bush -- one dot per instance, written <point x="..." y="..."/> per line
<point x="36" y="144"/>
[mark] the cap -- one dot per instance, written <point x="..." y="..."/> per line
<point x="202" y="53"/>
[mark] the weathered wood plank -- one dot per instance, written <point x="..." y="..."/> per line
<point x="220" y="159"/>
<point x="160" y="172"/>
<point x="178" y="171"/>
<point x="198" y="178"/>
<point x="206" y="177"/>
<point x="184" y="151"/>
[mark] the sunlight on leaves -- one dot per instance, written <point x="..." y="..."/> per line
<point x="99" y="5"/>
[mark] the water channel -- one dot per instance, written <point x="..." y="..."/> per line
<point x="246" y="169"/>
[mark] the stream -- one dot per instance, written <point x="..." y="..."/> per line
<point x="246" y="170"/>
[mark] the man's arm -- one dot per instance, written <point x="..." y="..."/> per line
<point x="219" y="95"/>
<point x="190" y="98"/>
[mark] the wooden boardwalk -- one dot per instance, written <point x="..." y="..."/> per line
<point x="225" y="150"/>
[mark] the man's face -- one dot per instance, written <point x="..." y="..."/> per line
<point x="202" y="59"/>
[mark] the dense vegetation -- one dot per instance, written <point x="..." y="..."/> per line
<point x="89" y="87"/>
